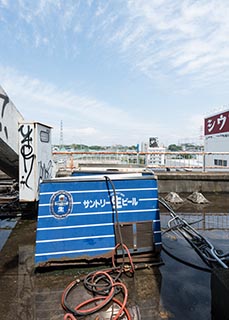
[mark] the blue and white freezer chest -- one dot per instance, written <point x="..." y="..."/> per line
<point x="79" y="218"/>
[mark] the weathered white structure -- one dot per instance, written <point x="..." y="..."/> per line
<point x="9" y="120"/>
<point x="35" y="158"/>
<point x="216" y="139"/>
<point x="25" y="150"/>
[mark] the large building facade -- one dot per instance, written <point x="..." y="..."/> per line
<point x="216" y="139"/>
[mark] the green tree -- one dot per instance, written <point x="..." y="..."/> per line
<point x="174" y="147"/>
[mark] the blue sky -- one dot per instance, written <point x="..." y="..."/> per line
<point x="116" y="71"/>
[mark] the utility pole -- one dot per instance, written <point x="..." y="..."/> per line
<point x="61" y="142"/>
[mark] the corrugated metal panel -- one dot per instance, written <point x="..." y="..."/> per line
<point x="76" y="218"/>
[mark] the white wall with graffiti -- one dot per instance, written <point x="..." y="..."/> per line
<point x="35" y="158"/>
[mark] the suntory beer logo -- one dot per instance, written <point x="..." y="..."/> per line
<point x="61" y="204"/>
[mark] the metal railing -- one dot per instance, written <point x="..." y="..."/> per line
<point x="166" y="161"/>
<point x="203" y="221"/>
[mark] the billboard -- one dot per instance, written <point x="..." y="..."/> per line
<point x="216" y="124"/>
<point x="153" y="142"/>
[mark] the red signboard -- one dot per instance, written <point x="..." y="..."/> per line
<point x="217" y="124"/>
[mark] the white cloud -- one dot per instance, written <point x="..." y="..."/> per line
<point x="84" y="117"/>
<point x="185" y="37"/>
<point x="4" y="3"/>
<point x="178" y="44"/>
<point x="88" y="120"/>
<point x="152" y="37"/>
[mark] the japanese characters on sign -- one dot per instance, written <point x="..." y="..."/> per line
<point x="120" y="201"/>
<point x="217" y="124"/>
<point x="61" y="203"/>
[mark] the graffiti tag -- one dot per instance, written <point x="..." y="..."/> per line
<point x="5" y="102"/>
<point x="27" y="153"/>
<point x="45" y="171"/>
